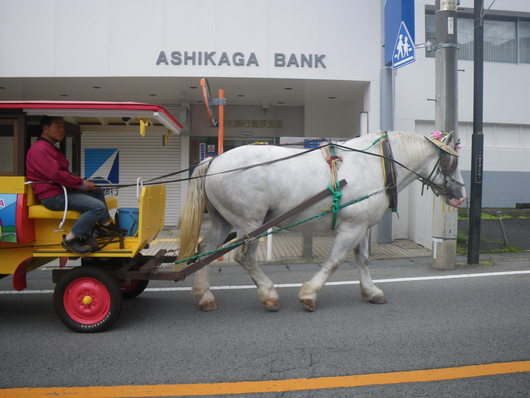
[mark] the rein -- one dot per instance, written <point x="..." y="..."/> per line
<point x="214" y="174"/>
<point x="385" y="157"/>
<point x="425" y="181"/>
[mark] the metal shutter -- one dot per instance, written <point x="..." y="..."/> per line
<point x="144" y="157"/>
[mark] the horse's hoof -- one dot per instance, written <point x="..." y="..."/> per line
<point x="309" y="304"/>
<point x="208" y="306"/>
<point x="272" y="305"/>
<point x="378" y="299"/>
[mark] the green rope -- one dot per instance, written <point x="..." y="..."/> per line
<point x="332" y="150"/>
<point x="295" y="224"/>
<point x="337" y="194"/>
<point x="381" y="137"/>
<point x="335" y="206"/>
<point x="352" y="202"/>
<point x="343" y="148"/>
<point x="197" y="256"/>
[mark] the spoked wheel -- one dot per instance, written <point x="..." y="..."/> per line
<point x="132" y="288"/>
<point x="88" y="299"/>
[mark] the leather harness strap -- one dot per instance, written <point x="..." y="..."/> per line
<point x="389" y="173"/>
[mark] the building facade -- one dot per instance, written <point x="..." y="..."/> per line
<point x="297" y="68"/>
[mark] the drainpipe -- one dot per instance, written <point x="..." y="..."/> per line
<point x="386" y="122"/>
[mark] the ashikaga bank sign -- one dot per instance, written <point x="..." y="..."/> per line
<point x="237" y="58"/>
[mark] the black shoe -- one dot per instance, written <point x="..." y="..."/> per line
<point x="92" y="242"/>
<point x="76" y="245"/>
<point x="108" y="230"/>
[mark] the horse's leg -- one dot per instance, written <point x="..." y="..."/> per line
<point x="214" y="238"/>
<point x="342" y="245"/>
<point x="369" y="290"/>
<point x="246" y="256"/>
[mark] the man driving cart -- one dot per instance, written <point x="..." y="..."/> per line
<point x="48" y="168"/>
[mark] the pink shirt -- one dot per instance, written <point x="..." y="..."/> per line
<point x="44" y="162"/>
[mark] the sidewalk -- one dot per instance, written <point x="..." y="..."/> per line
<point x="287" y="248"/>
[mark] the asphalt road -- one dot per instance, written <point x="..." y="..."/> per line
<point x="162" y="338"/>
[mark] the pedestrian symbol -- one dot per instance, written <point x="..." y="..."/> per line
<point x="403" y="49"/>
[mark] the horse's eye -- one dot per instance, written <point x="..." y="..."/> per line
<point x="448" y="164"/>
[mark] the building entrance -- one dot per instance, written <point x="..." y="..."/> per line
<point x="202" y="147"/>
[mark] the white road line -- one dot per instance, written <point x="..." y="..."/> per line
<point x="286" y="285"/>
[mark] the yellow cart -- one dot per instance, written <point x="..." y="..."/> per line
<point x="87" y="298"/>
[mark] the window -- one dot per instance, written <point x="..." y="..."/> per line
<point x="7" y="147"/>
<point x="505" y="39"/>
<point x="500" y="43"/>
<point x="465" y="27"/>
<point x="524" y="42"/>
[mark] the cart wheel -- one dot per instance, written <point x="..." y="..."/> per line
<point x="87" y="299"/>
<point x="132" y="288"/>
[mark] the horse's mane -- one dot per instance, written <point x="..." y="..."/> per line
<point x="412" y="145"/>
<point x="413" y="138"/>
<point x="407" y="140"/>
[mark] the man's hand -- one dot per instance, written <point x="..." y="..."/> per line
<point x="88" y="186"/>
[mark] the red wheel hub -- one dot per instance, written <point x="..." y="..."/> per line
<point x="87" y="301"/>
<point x="127" y="287"/>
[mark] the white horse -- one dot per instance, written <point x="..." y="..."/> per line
<point x="244" y="199"/>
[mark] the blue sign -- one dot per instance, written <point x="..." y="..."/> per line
<point x="403" y="53"/>
<point x="396" y="13"/>
<point x="313" y="143"/>
<point x="102" y="163"/>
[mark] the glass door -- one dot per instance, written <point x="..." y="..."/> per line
<point x="7" y="147"/>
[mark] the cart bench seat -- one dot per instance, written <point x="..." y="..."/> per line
<point x="39" y="211"/>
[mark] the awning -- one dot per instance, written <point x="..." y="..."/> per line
<point x="110" y="113"/>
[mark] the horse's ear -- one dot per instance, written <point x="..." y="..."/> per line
<point x="449" y="138"/>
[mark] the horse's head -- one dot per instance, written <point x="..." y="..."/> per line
<point x="445" y="178"/>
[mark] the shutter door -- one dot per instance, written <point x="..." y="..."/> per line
<point x="144" y="157"/>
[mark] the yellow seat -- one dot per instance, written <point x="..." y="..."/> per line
<point x="39" y="211"/>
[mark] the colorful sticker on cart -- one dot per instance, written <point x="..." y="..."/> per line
<point x="8" y="213"/>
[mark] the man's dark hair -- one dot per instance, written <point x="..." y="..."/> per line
<point x="48" y="120"/>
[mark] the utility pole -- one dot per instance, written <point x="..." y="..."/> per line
<point x="477" y="141"/>
<point x="445" y="217"/>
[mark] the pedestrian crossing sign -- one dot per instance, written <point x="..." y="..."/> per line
<point x="404" y="52"/>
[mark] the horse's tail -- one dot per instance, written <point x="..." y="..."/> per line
<point x="191" y="220"/>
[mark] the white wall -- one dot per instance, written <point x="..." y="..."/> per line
<point x="506" y="86"/>
<point x="125" y="37"/>
<point x="332" y="121"/>
<point x="506" y="118"/>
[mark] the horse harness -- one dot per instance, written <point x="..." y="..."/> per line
<point x="389" y="173"/>
<point x="446" y="165"/>
<point x="333" y="159"/>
